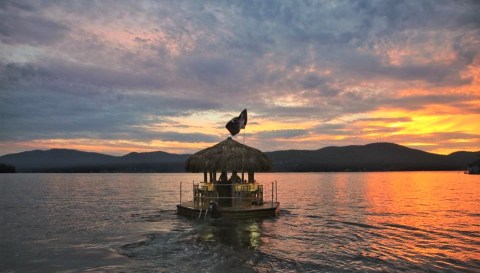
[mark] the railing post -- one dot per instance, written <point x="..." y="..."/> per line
<point x="276" y="194"/>
<point x="272" y="194"/>
<point x="180" y="193"/>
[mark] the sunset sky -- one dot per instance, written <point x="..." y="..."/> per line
<point x="122" y="76"/>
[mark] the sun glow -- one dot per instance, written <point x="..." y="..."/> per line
<point x="436" y="130"/>
<point x="114" y="147"/>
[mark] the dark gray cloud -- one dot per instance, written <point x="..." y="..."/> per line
<point x="12" y="4"/>
<point x="30" y="29"/>
<point x="36" y="105"/>
<point x="332" y="129"/>
<point x="292" y="133"/>
<point x="187" y="137"/>
<point x="210" y="71"/>
<point x="77" y="69"/>
<point x="12" y="73"/>
<point x="387" y="120"/>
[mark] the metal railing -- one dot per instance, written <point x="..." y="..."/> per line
<point x="238" y="195"/>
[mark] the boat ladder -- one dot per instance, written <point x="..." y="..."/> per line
<point x="200" y="214"/>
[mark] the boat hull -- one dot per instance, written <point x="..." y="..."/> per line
<point x="262" y="211"/>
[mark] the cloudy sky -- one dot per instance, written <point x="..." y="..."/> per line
<point x="122" y="76"/>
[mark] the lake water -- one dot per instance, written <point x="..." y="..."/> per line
<point x="329" y="222"/>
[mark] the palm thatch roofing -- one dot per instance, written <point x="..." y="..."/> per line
<point x="227" y="156"/>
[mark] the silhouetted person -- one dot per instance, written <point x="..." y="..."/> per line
<point x="223" y="178"/>
<point x="235" y="178"/>
<point x="224" y="190"/>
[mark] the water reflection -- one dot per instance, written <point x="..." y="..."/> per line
<point x="418" y="215"/>
<point x="330" y="222"/>
<point x="234" y="233"/>
<point x="404" y="221"/>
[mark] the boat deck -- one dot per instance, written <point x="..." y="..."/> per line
<point x="267" y="209"/>
<point x="237" y="200"/>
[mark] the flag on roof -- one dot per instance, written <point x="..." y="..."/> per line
<point x="237" y="123"/>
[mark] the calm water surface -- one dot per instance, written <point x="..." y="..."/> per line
<point x="330" y="222"/>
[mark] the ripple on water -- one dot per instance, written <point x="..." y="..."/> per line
<point x="211" y="246"/>
<point x="336" y="222"/>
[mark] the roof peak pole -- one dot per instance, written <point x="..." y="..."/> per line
<point x="234" y="126"/>
<point x="244" y="127"/>
<point x="243" y="151"/>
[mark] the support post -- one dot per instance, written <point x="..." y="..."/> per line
<point x="180" y="193"/>
<point x="272" y="194"/>
<point x="251" y="177"/>
<point x="276" y="193"/>
<point x="195" y="197"/>
<point x="243" y="150"/>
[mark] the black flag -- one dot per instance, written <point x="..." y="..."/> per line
<point x="237" y="123"/>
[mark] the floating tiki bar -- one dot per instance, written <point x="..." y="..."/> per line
<point x="229" y="188"/>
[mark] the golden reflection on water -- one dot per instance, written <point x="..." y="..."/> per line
<point x="423" y="218"/>
<point x="420" y="213"/>
<point x="329" y="222"/>
<point x="235" y="233"/>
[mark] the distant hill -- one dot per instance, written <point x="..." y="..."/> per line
<point x="65" y="160"/>
<point x="55" y="158"/>
<point x="371" y="157"/>
<point x="4" y="168"/>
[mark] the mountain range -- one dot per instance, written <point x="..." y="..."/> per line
<point x="370" y="157"/>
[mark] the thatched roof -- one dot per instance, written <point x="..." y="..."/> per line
<point x="227" y="156"/>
